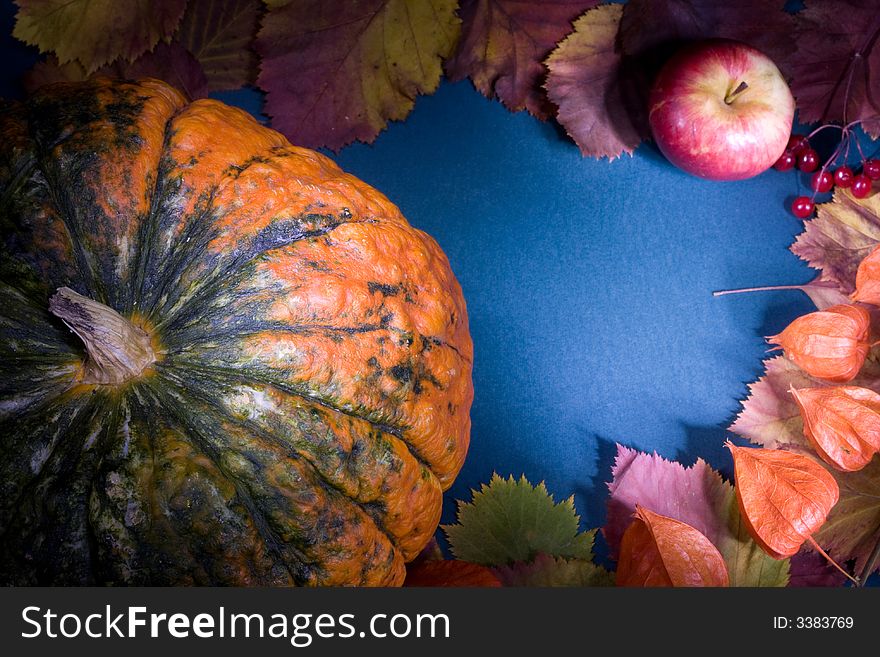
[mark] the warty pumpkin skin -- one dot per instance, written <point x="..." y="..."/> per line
<point x="306" y="396"/>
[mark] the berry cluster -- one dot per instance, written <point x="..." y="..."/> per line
<point x="799" y="153"/>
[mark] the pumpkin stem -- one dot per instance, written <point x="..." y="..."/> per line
<point x="117" y="349"/>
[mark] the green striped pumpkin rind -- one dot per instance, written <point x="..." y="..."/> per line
<point x="311" y="400"/>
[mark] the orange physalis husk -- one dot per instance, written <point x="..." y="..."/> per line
<point x="830" y="344"/>
<point x="842" y="424"/>
<point x="868" y="279"/>
<point x="784" y="497"/>
<point x="660" y="551"/>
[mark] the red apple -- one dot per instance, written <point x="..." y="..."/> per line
<point x="721" y="110"/>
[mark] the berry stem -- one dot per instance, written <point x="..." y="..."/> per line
<point x="766" y="288"/>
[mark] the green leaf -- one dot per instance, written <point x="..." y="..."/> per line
<point x="509" y="521"/>
<point x="554" y="571"/>
<point x="96" y="32"/>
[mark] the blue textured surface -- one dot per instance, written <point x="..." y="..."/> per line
<point x="589" y="285"/>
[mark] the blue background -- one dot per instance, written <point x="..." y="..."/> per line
<point x="588" y="284"/>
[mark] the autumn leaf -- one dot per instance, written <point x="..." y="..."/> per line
<point x="770" y="417"/>
<point x="169" y="62"/>
<point x="96" y="32"/>
<point x="510" y="520"/>
<point x="843" y="233"/>
<point x="809" y="568"/>
<point x="545" y="570"/>
<point x="218" y="33"/>
<point x="852" y="530"/>
<point x="660" y="551"/>
<point x="652" y="27"/>
<point x="338" y="72"/>
<point x="697" y="496"/>
<point x="504" y="43"/>
<point x="450" y="573"/>
<point x="784" y="496"/>
<point x="835" y="69"/>
<point x="584" y="81"/>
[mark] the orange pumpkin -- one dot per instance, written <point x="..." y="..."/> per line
<point x="224" y="360"/>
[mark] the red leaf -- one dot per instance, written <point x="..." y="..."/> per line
<point x="504" y="43"/>
<point x="584" y="81"/>
<point x="836" y="52"/>
<point x="336" y="72"/>
<point x="784" y="497"/>
<point x="842" y="424"/>
<point x="829" y="344"/>
<point x="450" y="573"/>
<point x="169" y="62"/>
<point x="659" y="551"/>
<point x="219" y="34"/>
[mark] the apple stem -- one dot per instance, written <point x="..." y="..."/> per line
<point x="736" y="92"/>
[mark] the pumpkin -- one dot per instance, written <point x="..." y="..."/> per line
<point x="224" y="360"/>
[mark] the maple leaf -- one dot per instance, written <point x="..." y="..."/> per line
<point x="770" y="418"/>
<point x="697" y="496"/>
<point x="546" y="570"/>
<point x="504" y="43"/>
<point x="218" y="33"/>
<point x="835" y="69"/>
<point x="96" y="32"/>
<point x="844" y="232"/>
<point x="584" y="81"/>
<point x="337" y="72"/>
<point x="510" y="520"/>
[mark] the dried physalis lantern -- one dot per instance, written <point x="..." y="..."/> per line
<point x="659" y="551"/>
<point x="868" y="279"/>
<point x="784" y="497"/>
<point x="842" y="424"/>
<point x="830" y="344"/>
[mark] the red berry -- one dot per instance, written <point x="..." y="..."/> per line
<point x="822" y="182"/>
<point x="843" y="177"/>
<point x="808" y="160"/>
<point x="802" y="207"/>
<point x="861" y="186"/>
<point x="797" y="144"/>
<point x="871" y="168"/>
<point x="785" y="162"/>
